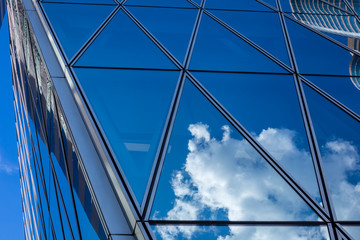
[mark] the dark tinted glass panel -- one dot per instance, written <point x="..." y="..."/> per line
<point x="217" y="48"/>
<point x="84" y="1"/>
<point x="75" y="23"/>
<point x="235" y="4"/>
<point x="160" y="3"/>
<point x="273" y="117"/>
<point x="317" y="55"/>
<point x="338" y="139"/>
<point x="265" y="30"/>
<point x="309" y="6"/>
<point x="131" y="107"/>
<point x="123" y="44"/>
<point x="54" y="209"/>
<point x="171" y="26"/>
<point x="182" y="232"/>
<point x="354" y="231"/>
<point x="345" y="89"/>
<point x="212" y="173"/>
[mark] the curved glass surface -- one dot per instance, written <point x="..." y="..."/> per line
<point x="212" y="173"/>
<point x="238" y="5"/>
<point x="160" y="3"/>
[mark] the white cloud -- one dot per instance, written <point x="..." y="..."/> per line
<point x="228" y="180"/>
<point x="8" y="168"/>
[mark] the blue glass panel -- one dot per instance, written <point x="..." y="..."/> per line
<point x="338" y="139"/>
<point x="55" y="210"/>
<point x="343" y="28"/>
<point x="96" y="2"/>
<point x="344" y="89"/>
<point x="131" y="107"/>
<point x="338" y="3"/>
<point x="265" y="30"/>
<point x="172" y="27"/>
<point x="353" y="230"/>
<point x="235" y="4"/>
<point x="75" y="23"/>
<point x="270" y="2"/>
<point x="217" y="48"/>
<point x="197" y="1"/>
<point x="273" y="117"/>
<point x="317" y="55"/>
<point x="309" y="6"/>
<point x="123" y="44"/>
<point x="355" y="4"/>
<point x="160" y="3"/>
<point x="184" y="232"/>
<point x="212" y="173"/>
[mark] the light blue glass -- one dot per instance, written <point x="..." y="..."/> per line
<point x="212" y="173"/>
<point x="160" y="3"/>
<point x="273" y="117"/>
<point x="131" y="107"/>
<point x="268" y="36"/>
<point x="123" y="44"/>
<point x="309" y="6"/>
<point x="74" y="24"/>
<point x="95" y="2"/>
<point x="185" y="232"/>
<point x="216" y="48"/>
<point x="171" y="26"/>
<point x="353" y="230"/>
<point x="345" y="89"/>
<point x="317" y="55"/>
<point x="338" y="139"/>
<point x="235" y="4"/>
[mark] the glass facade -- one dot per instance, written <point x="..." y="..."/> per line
<point x="188" y="119"/>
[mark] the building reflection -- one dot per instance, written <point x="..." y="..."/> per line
<point x="332" y="20"/>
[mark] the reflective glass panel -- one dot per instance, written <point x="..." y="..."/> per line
<point x="123" y="44"/>
<point x="309" y="6"/>
<point x="337" y="3"/>
<point x="345" y="89"/>
<point x="273" y="117"/>
<point x="317" y="55"/>
<point x="212" y="173"/>
<point x="356" y="5"/>
<point x="75" y="23"/>
<point x="160" y="3"/>
<point x="270" y="2"/>
<point x="354" y="231"/>
<point x="235" y="4"/>
<point x="339" y="142"/>
<point x="171" y="26"/>
<point x="216" y="48"/>
<point x="264" y="30"/>
<point x="232" y="232"/>
<point x="131" y="107"/>
<point x="96" y="2"/>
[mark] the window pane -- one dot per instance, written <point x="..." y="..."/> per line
<point x="160" y="3"/>
<point x="212" y="173"/>
<point x="235" y="4"/>
<point x="309" y="6"/>
<point x="217" y="48"/>
<point x="338" y="139"/>
<point x="131" y="107"/>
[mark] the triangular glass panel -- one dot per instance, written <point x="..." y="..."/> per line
<point x="310" y="6"/>
<point x="211" y="172"/>
<point x="160" y="3"/>
<point x="75" y="23"/>
<point x="131" y="107"/>
<point x="273" y="117"/>
<point x="270" y="2"/>
<point x="344" y="89"/>
<point x="95" y="2"/>
<point x="196" y="232"/>
<point x="338" y="139"/>
<point x="354" y="231"/>
<point x="317" y="55"/>
<point x="236" y="5"/>
<point x="269" y="36"/>
<point x="171" y="26"/>
<point x="342" y="28"/>
<point x="198" y="2"/>
<point x="123" y="44"/>
<point x="216" y="48"/>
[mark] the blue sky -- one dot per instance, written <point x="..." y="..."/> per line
<point x="11" y="223"/>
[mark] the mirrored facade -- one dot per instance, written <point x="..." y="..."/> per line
<point x="188" y="119"/>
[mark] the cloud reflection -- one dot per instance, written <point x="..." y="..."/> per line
<point x="228" y="179"/>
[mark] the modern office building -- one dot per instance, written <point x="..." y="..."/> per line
<point x="188" y="119"/>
